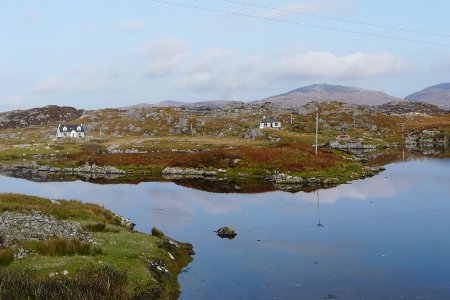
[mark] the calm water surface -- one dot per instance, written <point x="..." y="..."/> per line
<point x="385" y="237"/>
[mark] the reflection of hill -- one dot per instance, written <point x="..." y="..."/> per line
<point x="227" y="186"/>
<point x="244" y="186"/>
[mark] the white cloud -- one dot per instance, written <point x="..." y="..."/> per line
<point x="164" y="56"/>
<point x="132" y="25"/>
<point x="325" y="65"/>
<point x="222" y="70"/>
<point x="104" y="77"/>
<point x="213" y="58"/>
<point x="50" y="84"/>
<point x="215" y="69"/>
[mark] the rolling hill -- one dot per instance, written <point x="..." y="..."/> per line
<point x="438" y="95"/>
<point x="325" y="93"/>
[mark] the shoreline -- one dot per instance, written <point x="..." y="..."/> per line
<point x="55" y="243"/>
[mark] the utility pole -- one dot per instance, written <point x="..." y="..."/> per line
<point x="317" y="127"/>
<point x="354" y="121"/>
<point x="291" y="119"/>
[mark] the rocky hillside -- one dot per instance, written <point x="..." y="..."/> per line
<point x="438" y="95"/>
<point x="51" y="114"/>
<point x="405" y="107"/>
<point x="234" y="119"/>
<point x="325" y="93"/>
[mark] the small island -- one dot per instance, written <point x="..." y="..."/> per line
<point x="58" y="249"/>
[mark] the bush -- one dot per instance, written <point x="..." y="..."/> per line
<point x="6" y="256"/>
<point x="63" y="247"/>
<point x="156" y="232"/>
<point x="95" y="227"/>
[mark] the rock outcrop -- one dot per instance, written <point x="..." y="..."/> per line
<point x="188" y="172"/>
<point x="226" y="232"/>
<point x="18" y="227"/>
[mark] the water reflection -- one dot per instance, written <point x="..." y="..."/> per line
<point x="382" y="238"/>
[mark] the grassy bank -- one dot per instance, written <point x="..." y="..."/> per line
<point x="121" y="265"/>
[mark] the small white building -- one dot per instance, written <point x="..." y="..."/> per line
<point x="73" y="131"/>
<point x="343" y="138"/>
<point x="269" y="122"/>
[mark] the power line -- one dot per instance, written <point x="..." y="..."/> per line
<point x="301" y="24"/>
<point x="337" y="19"/>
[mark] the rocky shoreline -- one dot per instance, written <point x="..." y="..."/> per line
<point x="58" y="241"/>
<point x="279" y="180"/>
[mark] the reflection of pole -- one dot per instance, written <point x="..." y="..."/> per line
<point x="317" y="127"/>
<point x="318" y="209"/>
<point x="403" y="154"/>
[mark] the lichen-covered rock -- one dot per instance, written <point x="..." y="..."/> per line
<point x="253" y="133"/>
<point x="187" y="172"/>
<point x="17" y="227"/>
<point x="282" y="178"/>
<point x="124" y="222"/>
<point x="226" y="232"/>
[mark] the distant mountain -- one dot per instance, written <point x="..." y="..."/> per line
<point x="325" y="93"/>
<point x="170" y="103"/>
<point x="438" y="95"/>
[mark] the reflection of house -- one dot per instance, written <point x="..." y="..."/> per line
<point x="269" y="122"/>
<point x="74" y="131"/>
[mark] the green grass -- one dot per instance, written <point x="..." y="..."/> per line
<point x="63" y="210"/>
<point x="118" y="252"/>
<point x="97" y="283"/>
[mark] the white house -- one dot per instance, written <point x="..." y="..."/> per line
<point x="269" y="122"/>
<point x="73" y="131"/>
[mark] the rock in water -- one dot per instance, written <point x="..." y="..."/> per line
<point x="226" y="232"/>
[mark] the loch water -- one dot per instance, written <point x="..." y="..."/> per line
<point x="384" y="237"/>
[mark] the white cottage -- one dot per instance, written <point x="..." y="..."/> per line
<point x="73" y="131"/>
<point x="269" y="122"/>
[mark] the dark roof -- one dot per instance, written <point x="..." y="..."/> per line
<point x="71" y="128"/>
<point x="269" y="120"/>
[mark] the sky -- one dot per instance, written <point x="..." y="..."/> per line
<point x="108" y="53"/>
